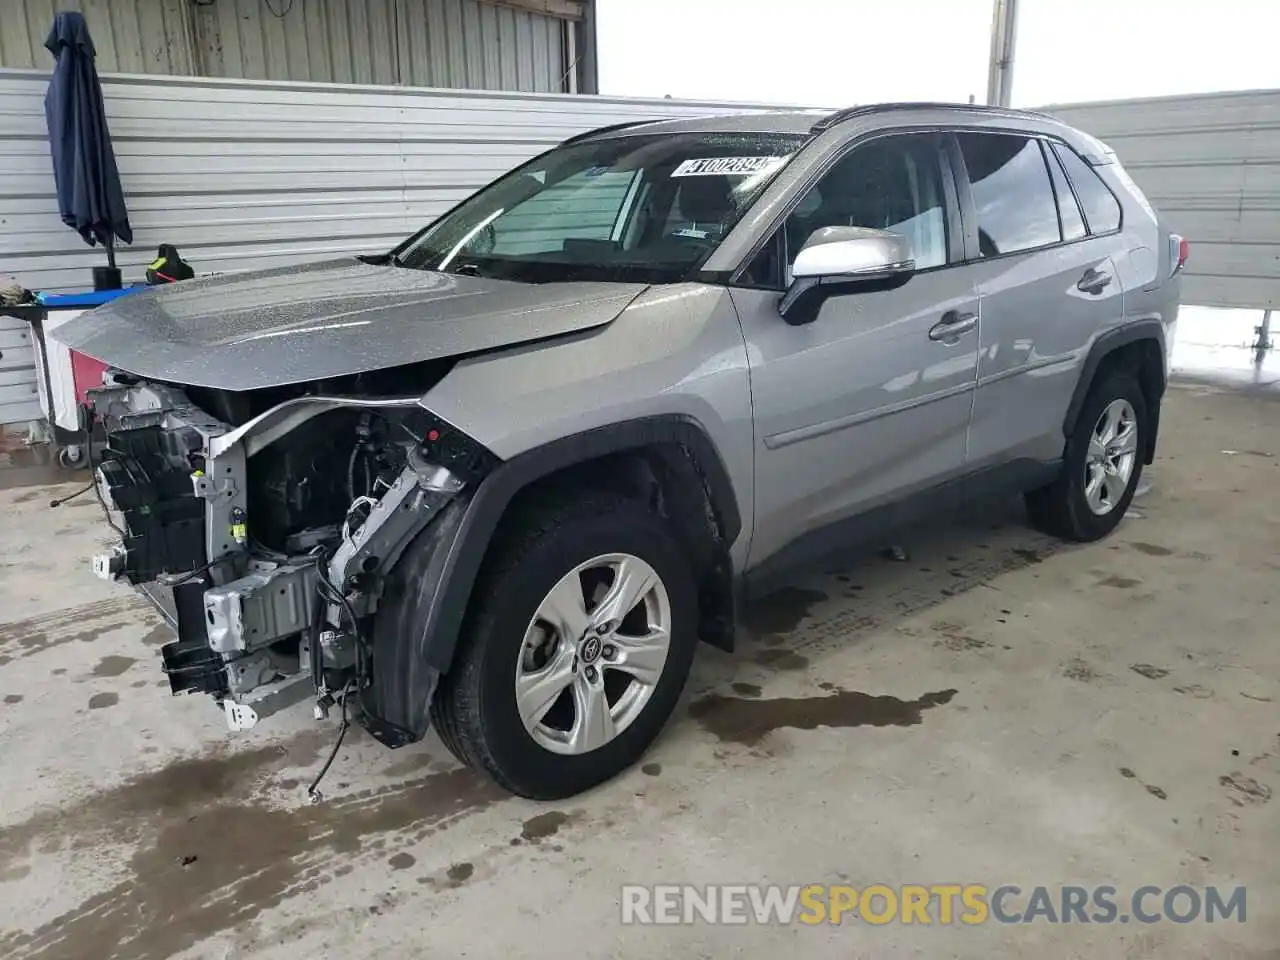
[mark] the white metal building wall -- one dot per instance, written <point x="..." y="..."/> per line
<point x="476" y="44"/>
<point x="1210" y="164"/>
<point x="245" y="174"/>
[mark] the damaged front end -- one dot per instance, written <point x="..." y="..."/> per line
<point x="265" y="529"/>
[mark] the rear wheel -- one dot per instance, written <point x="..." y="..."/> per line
<point x="1101" y="466"/>
<point x="578" y="644"/>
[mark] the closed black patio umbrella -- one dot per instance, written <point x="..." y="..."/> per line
<point x="90" y="198"/>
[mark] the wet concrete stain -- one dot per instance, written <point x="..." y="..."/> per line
<point x="1152" y="549"/>
<point x="460" y="873"/>
<point x="1245" y="791"/>
<point x="1149" y="671"/>
<point x="100" y="701"/>
<point x="113" y="666"/>
<point x="250" y="858"/>
<point x="748" y="721"/>
<point x="538" y="828"/>
<point x="959" y="643"/>
<point x="745" y="689"/>
<point x="159" y="635"/>
<point x="780" y="611"/>
<point x="13" y="698"/>
<point x="85" y="622"/>
<point x="781" y="659"/>
<point x="1152" y="789"/>
<point x="1082" y="670"/>
<point x="1197" y="690"/>
<point x="651" y="769"/>
<point x="1120" y="583"/>
<point x="953" y="637"/>
<point x="14" y="873"/>
<point x="401" y="861"/>
<point x="410" y="764"/>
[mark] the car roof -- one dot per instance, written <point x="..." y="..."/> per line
<point x="809" y="122"/>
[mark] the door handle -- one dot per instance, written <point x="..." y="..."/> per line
<point x="1093" y="281"/>
<point x="952" y="326"/>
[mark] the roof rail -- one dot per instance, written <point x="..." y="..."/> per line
<point x="587" y="134"/>
<point x="850" y="113"/>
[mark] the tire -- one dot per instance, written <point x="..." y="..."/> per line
<point x="476" y="710"/>
<point x="1063" y="507"/>
<point x="71" y="457"/>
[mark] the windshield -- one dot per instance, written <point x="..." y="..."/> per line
<point x="643" y="208"/>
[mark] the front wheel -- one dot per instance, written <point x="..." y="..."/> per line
<point x="1102" y="464"/>
<point x="578" y="643"/>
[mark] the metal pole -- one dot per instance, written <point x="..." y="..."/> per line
<point x="1004" y="31"/>
<point x="1264" y="338"/>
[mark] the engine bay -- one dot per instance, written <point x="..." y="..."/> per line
<point x="266" y="538"/>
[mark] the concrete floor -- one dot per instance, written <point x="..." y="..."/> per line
<point x="1114" y="720"/>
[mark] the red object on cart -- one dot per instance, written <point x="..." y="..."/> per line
<point x="65" y="376"/>
<point x="86" y="372"/>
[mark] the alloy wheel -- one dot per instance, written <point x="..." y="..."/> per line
<point x="593" y="653"/>
<point x="1112" y="455"/>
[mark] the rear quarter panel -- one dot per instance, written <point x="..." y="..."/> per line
<point x="1143" y="261"/>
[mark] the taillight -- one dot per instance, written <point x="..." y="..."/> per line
<point x="1179" y="250"/>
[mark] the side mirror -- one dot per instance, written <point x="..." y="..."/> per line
<point x="843" y="260"/>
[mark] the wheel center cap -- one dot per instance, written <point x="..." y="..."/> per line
<point x="589" y="652"/>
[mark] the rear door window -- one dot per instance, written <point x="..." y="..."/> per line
<point x="1101" y="208"/>
<point x="1012" y="194"/>
<point x="1068" y="210"/>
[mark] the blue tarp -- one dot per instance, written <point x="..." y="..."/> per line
<point x="89" y="298"/>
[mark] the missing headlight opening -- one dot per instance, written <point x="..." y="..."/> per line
<point x="266" y="542"/>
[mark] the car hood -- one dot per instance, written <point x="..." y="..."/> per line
<point x="295" y="324"/>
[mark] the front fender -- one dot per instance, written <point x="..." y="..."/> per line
<point x="417" y="628"/>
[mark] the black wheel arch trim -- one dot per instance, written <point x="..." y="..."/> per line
<point x="1107" y="343"/>
<point x="497" y="490"/>
<point x="427" y="626"/>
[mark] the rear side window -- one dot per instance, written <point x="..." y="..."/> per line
<point x="1101" y="208"/>
<point x="1012" y="194"/>
<point x="1068" y="209"/>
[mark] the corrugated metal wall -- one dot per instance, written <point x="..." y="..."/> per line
<point x="422" y="43"/>
<point x="1210" y="164"/>
<point x="435" y="43"/>
<point x="131" y="36"/>
<point x="19" y="393"/>
<point x="243" y="174"/>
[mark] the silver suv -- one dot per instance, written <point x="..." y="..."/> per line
<point x="501" y="480"/>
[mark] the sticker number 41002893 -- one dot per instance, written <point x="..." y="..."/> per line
<point x="725" y="166"/>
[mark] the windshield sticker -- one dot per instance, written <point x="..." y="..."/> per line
<point x="726" y="166"/>
<point x="595" y="171"/>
